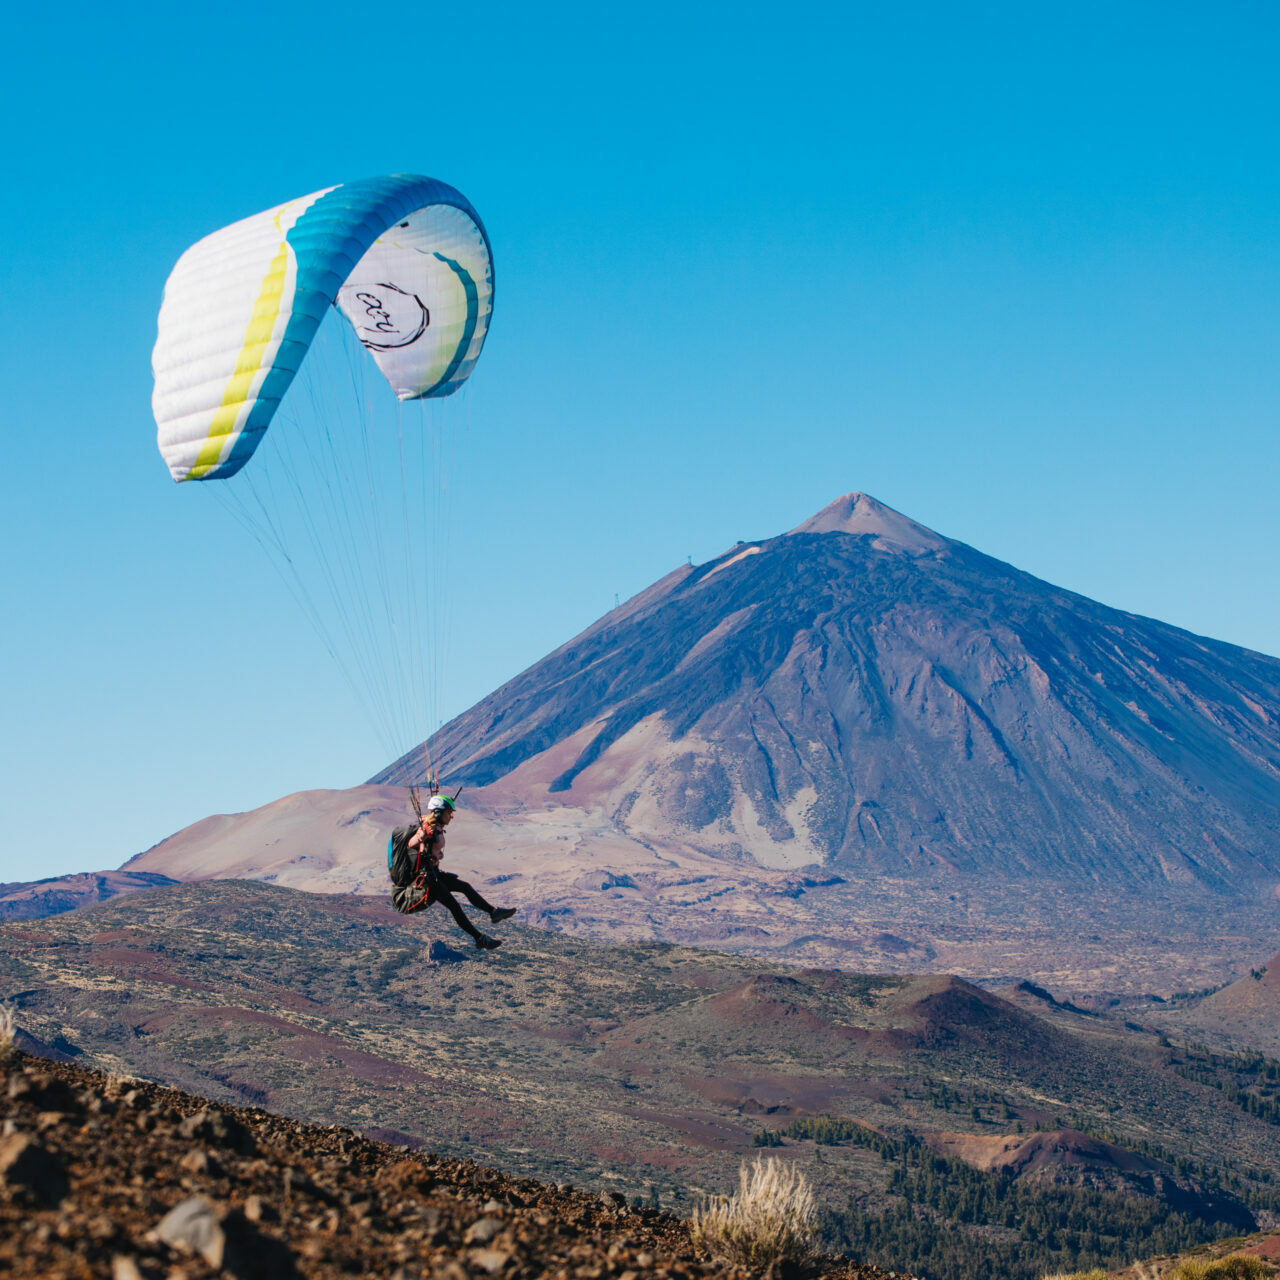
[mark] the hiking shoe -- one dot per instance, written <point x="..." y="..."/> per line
<point x="486" y="943"/>
<point x="499" y="914"/>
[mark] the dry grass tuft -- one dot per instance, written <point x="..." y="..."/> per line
<point x="1236" y="1266"/>
<point x="119" y="1081"/>
<point x="768" y="1219"/>
<point x="8" y="1029"/>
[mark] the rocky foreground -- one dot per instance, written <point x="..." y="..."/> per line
<point x="108" y="1177"/>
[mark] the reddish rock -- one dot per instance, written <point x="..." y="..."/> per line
<point x="144" y="1205"/>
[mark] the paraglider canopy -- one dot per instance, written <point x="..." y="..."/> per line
<point x="405" y="258"/>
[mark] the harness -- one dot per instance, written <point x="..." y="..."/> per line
<point x="422" y="874"/>
<point x="424" y="901"/>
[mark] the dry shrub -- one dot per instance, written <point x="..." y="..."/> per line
<point x="8" y="1029"/>
<point x="1236" y="1266"/>
<point x="768" y="1219"/>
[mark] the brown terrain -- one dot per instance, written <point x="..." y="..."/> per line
<point x="645" y="1069"/>
<point x="106" y="1176"/>
<point x="1041" y="1152"/>
<point x="1244" y="1014"/>
<point x="856" y="745"/>
<point x="595" y="882"/>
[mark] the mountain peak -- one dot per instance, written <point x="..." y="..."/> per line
<point x="865" y="694"/>
<point x="860" y="514"/>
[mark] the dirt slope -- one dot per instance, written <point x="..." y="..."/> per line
<point x="109" y="1177"/>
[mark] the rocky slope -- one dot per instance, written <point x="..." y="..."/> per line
<point x="1243" y="1015"/>
<point x="109" y="1176"/>
<point x="1066" y="1157"/>
<point x="1264" y="1246"/>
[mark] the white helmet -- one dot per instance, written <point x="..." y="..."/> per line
<point x="438" y="802"/>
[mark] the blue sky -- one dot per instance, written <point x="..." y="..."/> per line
<point x="1012" y="269"/>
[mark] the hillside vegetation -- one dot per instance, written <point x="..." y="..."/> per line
<point x="941" y="1126"/>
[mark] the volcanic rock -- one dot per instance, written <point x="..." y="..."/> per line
<point x="440" y="952"/>
<point x="26" y="1165"/>
<point x="227" y="1241"/>
<point x="219" y="1128"/>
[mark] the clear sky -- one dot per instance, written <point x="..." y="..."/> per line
<point x="1010" y="268"/>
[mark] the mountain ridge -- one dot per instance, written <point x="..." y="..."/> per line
<point x="33" y="900"/>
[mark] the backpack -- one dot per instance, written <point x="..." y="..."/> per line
<point x="403" y="863"/>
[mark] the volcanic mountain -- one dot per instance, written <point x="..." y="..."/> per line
<point x="865" y="694"/>
<point x="856" y="744"/>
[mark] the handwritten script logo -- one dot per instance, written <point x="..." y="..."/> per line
<point x="384" y="315"/>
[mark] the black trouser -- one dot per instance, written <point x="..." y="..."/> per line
<point x="444" y="884"/>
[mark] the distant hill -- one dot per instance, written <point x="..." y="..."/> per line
<point x="1244" y="1014"/>
<point x="654" y="1070"/>
<point x="37" y="898"/>
<point x="1066" y="1157"/>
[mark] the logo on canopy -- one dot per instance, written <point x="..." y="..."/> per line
<point x="383" y="315"/>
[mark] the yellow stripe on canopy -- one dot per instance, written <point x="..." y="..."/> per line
<point x="257" y="338"/>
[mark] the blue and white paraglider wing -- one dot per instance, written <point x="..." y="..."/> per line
<point x="405" y="258"/>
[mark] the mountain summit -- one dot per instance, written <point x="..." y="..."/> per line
<point x="864" y="693"/>
<point x="860" y="514"/>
